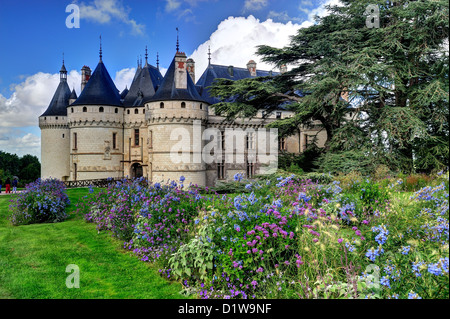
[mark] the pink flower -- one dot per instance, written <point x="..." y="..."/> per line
<point x="340" y="240"/>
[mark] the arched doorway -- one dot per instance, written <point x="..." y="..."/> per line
<point x="136" y="171"/>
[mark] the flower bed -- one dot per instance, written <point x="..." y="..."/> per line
<point x="285" y="238"/>
<point x="42" y="201"/>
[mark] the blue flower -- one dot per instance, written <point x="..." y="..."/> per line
<point x="405" y="250"/>
<point x="182" y="179"/>
<point x="413" y="295"/>
<point x="385" y="281"/>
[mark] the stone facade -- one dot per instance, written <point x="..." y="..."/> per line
<point x="96" y="141"/>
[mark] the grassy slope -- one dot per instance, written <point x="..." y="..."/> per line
<point x="33" y="260"/>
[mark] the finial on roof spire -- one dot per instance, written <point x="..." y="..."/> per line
<point x="157" y="60"/>
<point x="63" y="58"/>
<point x="63" y="72"/>
<point x="146" y="56"/>
<point x="101" y="48"/>
<point x="178" y="42"/>
<point x="209" y="55"/>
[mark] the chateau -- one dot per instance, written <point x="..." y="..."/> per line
<point x="106" y="133"/>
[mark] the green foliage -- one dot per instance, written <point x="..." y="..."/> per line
<point x="395" y="76"/>
<point x="27" y="168"/>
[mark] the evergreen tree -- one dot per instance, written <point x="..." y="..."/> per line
<point x="395" y="77"/>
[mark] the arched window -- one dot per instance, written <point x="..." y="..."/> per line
<point x="56" y="118"/>
<point x="161" y="105"/>
<point x="116" y="110"/>
<point x="71" y="109"/>
<point x="136" y="111"/>
<point x="85" y="109"/>
<point x="183" y="105"/>
<point x="101" y="109"/>
<point x="143" y="111"/>
<point x="128" y="111"/>
<point x="201" y="106"/>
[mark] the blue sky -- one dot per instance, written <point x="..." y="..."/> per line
<point x="34" y="36"/>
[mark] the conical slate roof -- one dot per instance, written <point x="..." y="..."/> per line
<point x="60" y="101"/>
<point x="73" y="95"/>
<point x="100" y="89"/>
<point x="144" y="86"/>
<point x="167" y="90"/>
<point x="124" y="93"/>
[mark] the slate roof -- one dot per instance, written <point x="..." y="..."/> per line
<point x="124" y="93"/>
<point x="144" y="86"/>
<point x="167" y="90"/>
<point x="73" y="95"/>
<point x="214" y="71"/>
<point x="100" y="89"/>
<point x="60" y="101"/>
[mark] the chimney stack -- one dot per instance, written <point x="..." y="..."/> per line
<point x="251" y="66"/>
<point x="85" y="75"/>
<point x="180" y="71"/>
<point x="190" y="65"/>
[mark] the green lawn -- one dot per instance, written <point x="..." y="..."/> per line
<point x="33" y="260"/>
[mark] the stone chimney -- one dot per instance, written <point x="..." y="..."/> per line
<point x="231" y="70"/>
<point x="180" y="71"/>
<point x="251" y="66"/>
<point x="85" y="75"/>
<point x="190" y="65"/>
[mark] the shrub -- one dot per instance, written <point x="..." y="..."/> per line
<point x="42" y="201"/>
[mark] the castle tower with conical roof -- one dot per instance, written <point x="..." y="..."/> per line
<point x="55" y="139"/>
<point x="96" y="127"/>
<point x="176" y="117"/>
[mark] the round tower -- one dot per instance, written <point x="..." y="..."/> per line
<point x="55" y="139"/>
<point x="96" y="129"/>
<point x="176" y="117"/>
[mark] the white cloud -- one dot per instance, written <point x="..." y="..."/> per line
<point x="172" y="5"/>
<point x="236" y="38"/>
<point x="124" y="78"/>
<point x="104" y="11"/>
<point x="235" y="41"/>
<point x="20" y="143"/>
<point x="250" y="5"/>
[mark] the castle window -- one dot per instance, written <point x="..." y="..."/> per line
<point x="56" y="118"/>
<point x="183" y="105"/>
<point x="201" y="106"/>
<point x="128" y="111"/>
<point x="282" y="144"/>
<point x="161" y="105"/>
<point x="136" y="111"/>
<point x="150" y="139"/>
<point x="143" y="111"/>
<point x="221" y="169"/>
<point x="222" y="140"/>
<point x="101" y="109"/>
<point x="63" y="136"/>
<point x="250" y="141"/>
<point x="116" y="110"/>
<point x="75" y="141"/>
<point x="45" y="118"/>
<point x="85" y="109"/>
<point x="71" y="109"/>
<point x="136" y="137"/>
<point x="114" y="141"/>
<point x="278" y="115"/>
<point x="250" y="170"/>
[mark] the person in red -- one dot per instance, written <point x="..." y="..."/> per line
<point x="8" y="186"/>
